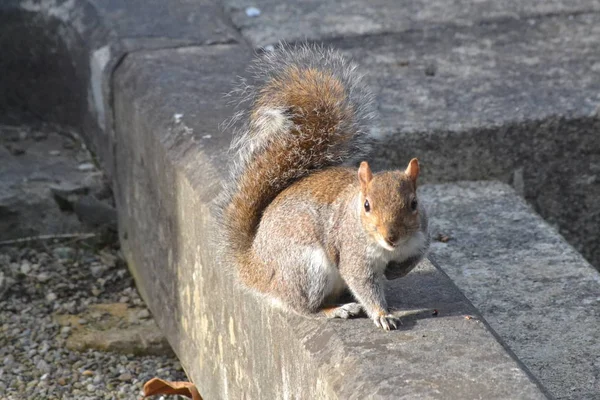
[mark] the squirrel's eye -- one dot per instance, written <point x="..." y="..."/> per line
<point x="414" y="204"/>
<point x="367" y="206"/>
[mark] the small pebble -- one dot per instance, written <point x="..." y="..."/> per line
<point x="86" y="167"/>
<point x="43" y="277"/>
<point x="51" y="296"/>
<point x="54" y="152"/>
<point x="125" y="377"/>
<point x="87" y="372"/>
<point x="430" y="70"/>
<point x="8" y="360"/>
<point x="39" y="135"/>
<point x="96" y="270"/>
<point x="44" y="348"/>
<point x="252" y="12"/>
<point x="16" y="150"/>
<point x="25" y="268"/>
<point x="64" y="253"/>
<point x="43" y="366"/>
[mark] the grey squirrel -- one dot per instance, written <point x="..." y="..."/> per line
<point x="300" y="224"/>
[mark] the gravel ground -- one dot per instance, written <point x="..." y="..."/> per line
<point x="45" y="278"/>
<point x="65" y="278"/>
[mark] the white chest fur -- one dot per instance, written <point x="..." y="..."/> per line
<point x="379" y="255"/>
<point x="324" y="275"/>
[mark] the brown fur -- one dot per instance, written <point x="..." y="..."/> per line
<point x="390" y="195"/>
<point x="315" y="100"/>
<point x="294" y="220"/>
<point x="322" y="186"/>
<point x="318" y="212"/>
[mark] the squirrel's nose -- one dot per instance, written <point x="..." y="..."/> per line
<point x="392" y="238"/>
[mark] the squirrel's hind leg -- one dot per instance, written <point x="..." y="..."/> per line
<point x="304" y="278"/>
<point x="345" y="311"/>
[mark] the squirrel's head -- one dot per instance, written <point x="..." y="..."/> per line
<point x="389" y="205"/>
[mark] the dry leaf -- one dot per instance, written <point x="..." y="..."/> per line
<point x="443" y="238"/>
<point x="159" y="386"/>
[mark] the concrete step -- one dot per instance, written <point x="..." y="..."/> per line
<point x="323" y="20"/>
<point x="539" y="294"/>
<point x="516" y="101"/>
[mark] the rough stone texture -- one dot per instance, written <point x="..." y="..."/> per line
<point x="533" y="288"/>
<point x="34" y="163"/>
<point x="318" y="20"/>
<point x="60" y="69"/>
<point x="484" y="76"/>
<point x="42" y="279"/>
<point x="49" y="71"/>
<point x="146" y="24"/>
<point x="34" y="77"/>
<point x="516" y="101"/>
<point x="232" y="343"/>
<point x="114" y="327"/>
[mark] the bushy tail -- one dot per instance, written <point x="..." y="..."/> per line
<point x="307" y="110"/>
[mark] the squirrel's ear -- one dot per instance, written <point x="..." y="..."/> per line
<point x="412" y="171"/>
<point x="364" y="175"/>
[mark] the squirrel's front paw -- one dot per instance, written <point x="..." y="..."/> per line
<point x="395" y="270"/>
<point x="387" y="322"/>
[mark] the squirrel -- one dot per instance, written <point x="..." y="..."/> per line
<point x="301" y="225"/>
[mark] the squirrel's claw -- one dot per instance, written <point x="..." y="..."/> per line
<point x="344" y="311"/>
<point x="387" y="322"/>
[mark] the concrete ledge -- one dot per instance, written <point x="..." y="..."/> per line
<point x="533" y="288"/>
<point x="170" y="162"/>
